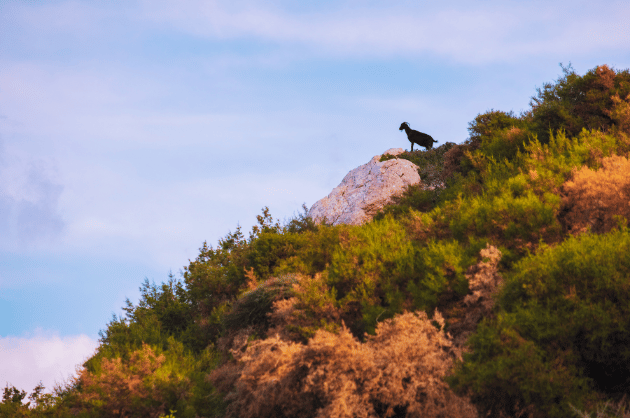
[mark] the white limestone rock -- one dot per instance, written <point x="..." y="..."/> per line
<point x="365" y="190"/>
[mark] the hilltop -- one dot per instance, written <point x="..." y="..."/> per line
<point x="499" y="286"/>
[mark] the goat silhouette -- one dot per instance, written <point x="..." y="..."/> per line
<point x="415" y="137"/>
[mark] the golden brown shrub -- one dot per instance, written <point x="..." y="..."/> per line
<point x="483" y="281"/>
<point x="284" y="313"/>
<point x="398" y="372"/>
<point x="124" y="389"/>
<point x="592" y="198"/>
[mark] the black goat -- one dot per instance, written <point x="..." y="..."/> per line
<point x="415" y="137"/>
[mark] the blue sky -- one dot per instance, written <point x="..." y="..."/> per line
<point x="131" y="132"/>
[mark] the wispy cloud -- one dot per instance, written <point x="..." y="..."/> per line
<point x="29" y="200"/>
<point x="45" y="356"/>
<point x="480" y="32"/>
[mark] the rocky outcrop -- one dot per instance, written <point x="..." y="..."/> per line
<point x="365" y="190"/>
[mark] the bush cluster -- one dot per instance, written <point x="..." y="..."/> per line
<point x="499" y="287"/>
<point x="335" y="375"/>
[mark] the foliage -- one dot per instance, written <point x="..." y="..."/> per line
<point x="563" y="332"/>
<point x="498" y="135"/>
<point x="397" y="372"/>
<point x="598" y="100"/>
<point x="40" y="404"/>
<point x="161" y="312"/>
<point x="149" y="383"/>
<point x="11" y="405"/>
<point x="514" y="217"/>
<point x="253" y="305"/>
<point x="523" y="225"/>
<point x="593" y="198"/>
<point x="377" y="272"/>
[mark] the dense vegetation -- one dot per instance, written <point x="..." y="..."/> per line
<point x="500" y="288"/>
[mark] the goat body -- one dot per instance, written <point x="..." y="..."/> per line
<point x="415" y="137"/>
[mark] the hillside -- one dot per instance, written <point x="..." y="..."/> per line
<point x="502" y="289"/>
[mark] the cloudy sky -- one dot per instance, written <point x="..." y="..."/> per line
<point x="133" y="131"/>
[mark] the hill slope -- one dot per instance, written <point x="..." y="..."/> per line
<point x="503" y="290"/>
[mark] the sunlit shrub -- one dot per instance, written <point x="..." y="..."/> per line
<point x="484" y="280"/>
<point x="596" y="100"/>
<point x="216" y="275"/>
<point x="124" y="389"/>
<point x="556" y="159"/>
<point x="516" y="217"/>
<point x="369" y="268"/>
<point x="315" y="254"/>
<point x="593" y="198"/>
<point x="149" y="383"/>
<point x="505" y="144"/>
<point x="268" y="250"/>
<point x="398" y="372"/>
<point x="486" y="125"/>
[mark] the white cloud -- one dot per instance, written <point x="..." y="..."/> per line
<point x="42" y="356"/>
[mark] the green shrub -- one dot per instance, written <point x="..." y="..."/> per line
<point x="268" y="250"/>
<point x="369" y="268"/>
<point x="498" y="135"/>
<point x="563" y="333"/>
<point x="553" y="162"/>
<point x="253" y="305"/>
<point x="440" y="273"/>
<point x="486" y="125"/>
<point x="415" y="197"/>
<point x="597" y="100"/>
<point x="314" y="253"/>
<point x="161" y="312"/>
<point x="507" y="374"/>
<point x="516" y="217"/>
<point x="378" y="268"/>
<point x="149" y="382"/>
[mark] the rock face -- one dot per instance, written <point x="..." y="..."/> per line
<point x="365" y="190"/>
